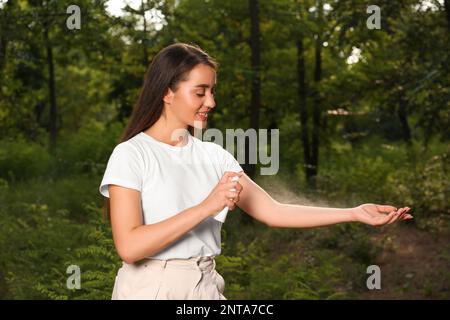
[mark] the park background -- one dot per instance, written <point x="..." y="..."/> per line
<point x="363" y="115"/>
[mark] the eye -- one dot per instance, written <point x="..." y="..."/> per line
<point x="200" y="95"/>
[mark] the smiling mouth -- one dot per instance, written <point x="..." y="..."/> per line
<point x="202" y="115"/>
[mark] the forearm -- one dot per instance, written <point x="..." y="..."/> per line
<point x="299" y="216"/>
<point x="147" y="240"/>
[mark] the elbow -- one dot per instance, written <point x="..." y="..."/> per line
<point x="126" y="253"/>
<point x="131" y="255"/>
<point x="128" y="259"/>
<point x="126" y="256"/>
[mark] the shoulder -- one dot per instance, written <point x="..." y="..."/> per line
<point x="130" y="149"/>
<point x="209" y="146"/>
<point x="126" y="147"/>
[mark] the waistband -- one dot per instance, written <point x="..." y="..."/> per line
<point x="203" y="263"/>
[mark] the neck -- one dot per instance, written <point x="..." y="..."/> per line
<point x="169" y="132"/>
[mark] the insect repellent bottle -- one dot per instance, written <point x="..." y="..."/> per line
<point x="221" y="216"/>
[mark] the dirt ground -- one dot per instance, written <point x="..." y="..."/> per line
<point x="415" y="264"/>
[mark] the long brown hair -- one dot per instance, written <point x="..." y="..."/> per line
<point x="168" y="68"/>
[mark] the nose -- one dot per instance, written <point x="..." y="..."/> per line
<point x="210" y="103"/>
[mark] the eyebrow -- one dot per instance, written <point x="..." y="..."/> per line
<point x="203" y="85"/>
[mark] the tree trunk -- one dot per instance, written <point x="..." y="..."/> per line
<point x="144" y="40"/>
<point x="255" y="103"/>
<point x="303" y="109"/>
<point x="403" y="117"/>
<point x="4" y="32"/>
<point x="447" y="11"/>
<point x="256" y="82"/>
<point x="3" y="45"/>
<point x="316" y="99"/>
<point x="52" y="92"/>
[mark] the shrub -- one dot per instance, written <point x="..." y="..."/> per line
<point x="20" y="160"/>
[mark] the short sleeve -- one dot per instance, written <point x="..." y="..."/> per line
<point x="125" y="168"/>
<point x="229" y="163"/>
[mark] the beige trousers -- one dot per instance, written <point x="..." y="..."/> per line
<point x="175" y="279"/>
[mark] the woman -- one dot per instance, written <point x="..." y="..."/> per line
<point x="163" y="187"/>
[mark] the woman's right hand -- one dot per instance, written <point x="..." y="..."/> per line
<point x="221" y="195"/>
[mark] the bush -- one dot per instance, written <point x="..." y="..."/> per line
<point x="425" y="187"/>
<point x="53" y="243"/>
<point x="20" y="160"/>
<point x="256" y="274"/>
<point x="86" y="151"/>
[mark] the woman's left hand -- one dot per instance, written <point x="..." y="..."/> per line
<point x="379" y="215"/>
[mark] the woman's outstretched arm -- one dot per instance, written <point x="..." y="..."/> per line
<point x="261" y="206"/>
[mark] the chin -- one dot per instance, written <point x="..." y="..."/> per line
<point x="199" y="124"/>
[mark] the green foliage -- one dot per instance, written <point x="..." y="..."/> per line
<point x="87" y="150"/>
<point x="257" y="274"/>
<point x="426" y="188"/>
<point x="390" y="147"/>
<point x="48" y="225"/>
<point x="40" y="245"/>
<point x="29" y="160"/>
<point x="351" y="176"/>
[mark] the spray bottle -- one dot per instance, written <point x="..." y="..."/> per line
<point x="221" y="216"/>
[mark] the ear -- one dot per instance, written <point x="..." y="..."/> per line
<point x="168" y="96"/>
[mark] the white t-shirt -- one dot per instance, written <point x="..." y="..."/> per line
<point x="172" y="179"/>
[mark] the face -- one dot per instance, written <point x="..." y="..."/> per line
<point x="194" y="98"/>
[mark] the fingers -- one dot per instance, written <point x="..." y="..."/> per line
<point x="385" y="208"/>
<point x="388" y="218"/>
<point x="229" y="185"/>
<point x="240" y="173"/>
<point x="229" y="174"/>
<point x="406" y="215"/>
<point x="399" y="214"/>
<point x="232" y="188"/>
<point x="232" y="193"/>
<point x="232" y="197"/>
<point x="231" y="205"/>
<point x="232" y="185"/>
<point x="225" y="177"/>
<point x="394" y="216"/>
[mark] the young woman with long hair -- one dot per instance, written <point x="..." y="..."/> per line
<point x="164" y="187"/>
